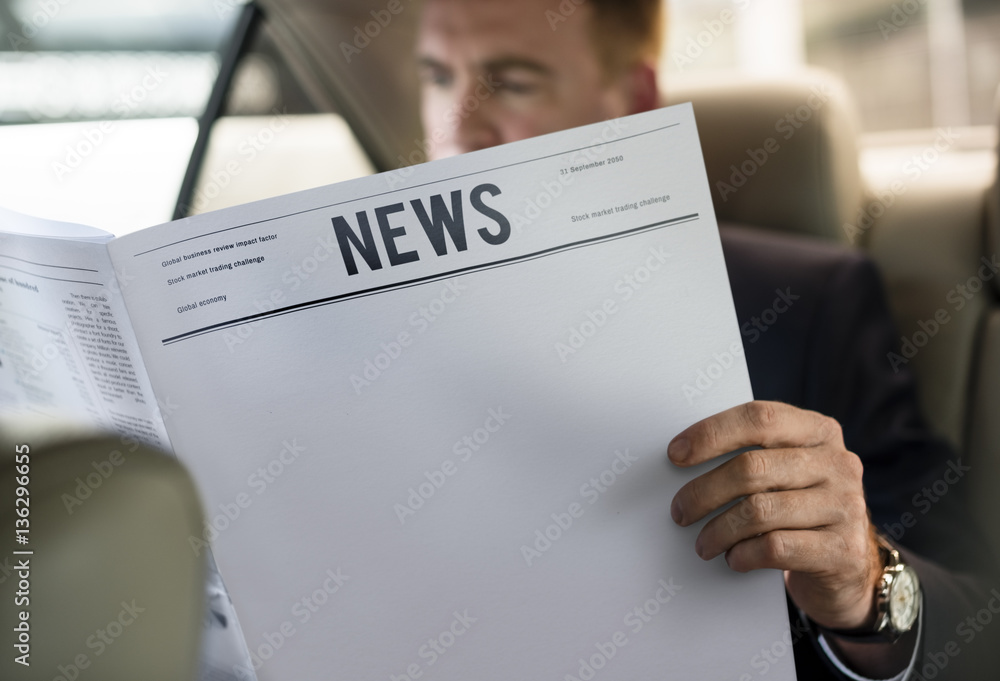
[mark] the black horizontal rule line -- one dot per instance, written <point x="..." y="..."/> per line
<point x="416" y="186"/>
<point x="42" y="264"/>
<point x="42" y="276"/>
<point x="364" y="293"/>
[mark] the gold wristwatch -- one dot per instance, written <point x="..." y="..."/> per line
<point x="897" y="601"/>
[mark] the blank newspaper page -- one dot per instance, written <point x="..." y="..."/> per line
<point x="428" y="411"/>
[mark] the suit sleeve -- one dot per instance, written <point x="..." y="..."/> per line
<point x="915" y="483"/>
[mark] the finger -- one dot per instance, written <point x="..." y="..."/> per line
<point x="759" y="470"/>
<point x="766" y="512"/>
<point x="830" y="576"/>
<point x="764" y="424"/>
<point x="810" y="551"/>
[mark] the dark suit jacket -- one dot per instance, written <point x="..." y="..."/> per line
<point x="827" y="352"/>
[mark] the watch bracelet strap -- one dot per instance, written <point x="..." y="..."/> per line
<point x="859" y="636"/>
<point x="890" y="558"/>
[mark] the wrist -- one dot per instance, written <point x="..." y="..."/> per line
<point x="879" y="660"/>
<point x="859" y="616"/>
<point x="894" y="603"/>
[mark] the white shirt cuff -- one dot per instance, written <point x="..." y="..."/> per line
<point x="905" y="674"/>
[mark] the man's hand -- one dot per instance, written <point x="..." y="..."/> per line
<point x="801" y="506"/>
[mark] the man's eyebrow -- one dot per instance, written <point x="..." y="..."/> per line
<point x="430" y="63"/>
<point x="493" y="65"/>
<point x="517" y="63"/>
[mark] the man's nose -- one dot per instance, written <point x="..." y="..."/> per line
<point x="475" y="126"/>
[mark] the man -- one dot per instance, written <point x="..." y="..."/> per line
<point x="556" y="65"/>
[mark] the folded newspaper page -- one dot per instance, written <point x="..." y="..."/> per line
<point x="429" y="411"/>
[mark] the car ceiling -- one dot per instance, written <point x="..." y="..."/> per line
<point x="375" y="90"/>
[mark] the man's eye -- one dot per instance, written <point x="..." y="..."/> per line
<point x="517" y="87"/>
<point x="435" y="77"/>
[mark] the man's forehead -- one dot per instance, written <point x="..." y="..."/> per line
<point x="507" y="29"/>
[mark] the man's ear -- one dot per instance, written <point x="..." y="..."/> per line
<point x="643" y="91"/>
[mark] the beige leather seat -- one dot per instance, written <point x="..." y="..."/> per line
<point x="983" y="440"/>
<point x="114" y="591"/>
<point x="781" y="153"/>
<point x="937" y="249"/>
<point x="792" y="145"/>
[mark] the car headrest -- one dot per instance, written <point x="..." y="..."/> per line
<point x="780" y="154"/>
<point x="108" y="528"/>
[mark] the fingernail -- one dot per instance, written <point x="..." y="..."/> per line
<point x="675" y="511"/>
<point x="697" y="547"/>
<point x="679" y="449"/>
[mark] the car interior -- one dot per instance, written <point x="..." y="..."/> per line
<point x="933" y="232"/>
<point x="927" y="229"/>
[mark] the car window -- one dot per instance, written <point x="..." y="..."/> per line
<point x="271" y="138"/>
<point x="98" y="100"/>
<point x="98" y="97"/>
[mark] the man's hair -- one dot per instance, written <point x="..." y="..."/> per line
<point x="626" y="32"/>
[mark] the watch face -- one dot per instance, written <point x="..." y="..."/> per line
<point x="904" y="599"/>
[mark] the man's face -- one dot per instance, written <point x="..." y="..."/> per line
<point x="495" y="71"/>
